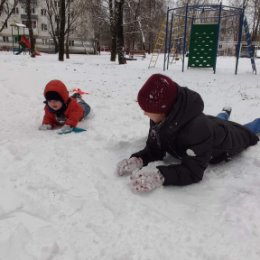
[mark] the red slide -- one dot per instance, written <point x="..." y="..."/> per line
<point x="25" y="41"/>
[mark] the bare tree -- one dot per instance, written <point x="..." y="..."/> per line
<point x="68" y="28"/>
<point x="62" y="29"/>
<point x="29" y="25"/>
<point x="76" y="12"/>
<point x="252" y="12"/>
<point x="112" y="19"/>
<point x="6" y="10"/>
<point x="135" y="22"/>
<point x="53" y="17"/>
<point x="255" y="7"/>
<point x="119" y="30"/>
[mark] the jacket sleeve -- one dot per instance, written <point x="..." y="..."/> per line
<point x="48" y="118"/>
<point x="74" y="114"/>
<point x="151" y="152"/>
<point x="197" y="154"/>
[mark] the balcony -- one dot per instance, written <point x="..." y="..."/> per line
<point x="33" y="16"/>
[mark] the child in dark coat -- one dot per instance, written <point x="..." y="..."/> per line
<point x="179" y="127"/>
<point x="62" y="110"/>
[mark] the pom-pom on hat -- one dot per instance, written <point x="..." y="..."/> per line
<point x="158" y="94"/>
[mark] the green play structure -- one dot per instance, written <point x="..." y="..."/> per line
<point x="203" y="46"/>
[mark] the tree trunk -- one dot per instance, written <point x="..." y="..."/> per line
<point x="113" y="47"/>
<point x="51" y="13"/>
<point x="68" y="33"/>
<point x="9" y="13"/>
<point x="29" y="24"/>
<point x="112" y="30"/>
<point x="62" y="29"/>
<point x="119" y="30"/>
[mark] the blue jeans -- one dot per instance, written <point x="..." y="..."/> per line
<point x="253" y="126"/>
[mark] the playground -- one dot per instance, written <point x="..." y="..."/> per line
<point x="20" y="39"/>
<point x="60" y="198"/>
<point x="195" y="31"/>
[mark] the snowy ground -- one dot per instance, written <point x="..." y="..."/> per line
<point x="60" y="198"/>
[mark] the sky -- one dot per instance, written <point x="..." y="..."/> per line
<point x="60" y="198"/>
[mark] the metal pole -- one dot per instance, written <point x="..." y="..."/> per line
<point x="184" y="38"/>
<point x="219" y="30"/>
<point x="238" y="47"/>
<point x="13" y="38"/>
<point x="166" y="39"/>
<point x="18" y="39"/>
<point x="170" y="42"/>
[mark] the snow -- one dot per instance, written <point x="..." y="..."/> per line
<point x="60" y="198"/>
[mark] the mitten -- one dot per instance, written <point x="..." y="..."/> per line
<point x="65" y="129"/>
<point x="146" y="180"/>
<point x="45" y="127"/>
<point x="127" y="166"/>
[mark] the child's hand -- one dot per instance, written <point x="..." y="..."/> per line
<point x="146" y="180"/>
<point x="127" y="166"/>
<point x="65" y="129"/>
<point x="45" y="127"/>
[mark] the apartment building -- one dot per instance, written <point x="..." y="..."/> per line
<point x="41" y="28"/>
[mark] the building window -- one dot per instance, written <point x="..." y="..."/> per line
<point x="45" y="41"/>
<point x="44" y="27"/>
<point x="34" y="24"/>
<point x="5" y="39"/>
<point x="71" y="43"/>
<point x="32" y="10"/>
<point x="43" y="12"/>
<point x="16" y="10"/>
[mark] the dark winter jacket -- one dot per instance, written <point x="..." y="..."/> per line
<point x="194" y="138"/>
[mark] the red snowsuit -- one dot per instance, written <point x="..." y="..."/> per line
<point x="73" y="112"/>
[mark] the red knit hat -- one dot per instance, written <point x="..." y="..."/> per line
<point x="158" y="94"/>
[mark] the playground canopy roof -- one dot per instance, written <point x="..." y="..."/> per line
<point x="18" y="25"/>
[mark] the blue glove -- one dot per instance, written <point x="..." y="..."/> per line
<point x="45" y="127"/>
<point x="65" y="130"/>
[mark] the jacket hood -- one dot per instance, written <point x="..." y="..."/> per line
<point x="189" y="104"/>
<point x="59" y="87"/>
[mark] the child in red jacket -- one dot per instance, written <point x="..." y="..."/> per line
<point x="62" y="110"/>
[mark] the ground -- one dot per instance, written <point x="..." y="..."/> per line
<point x="60" y="198"/>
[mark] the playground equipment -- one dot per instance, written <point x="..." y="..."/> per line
<point x="20" y="42"/>
<point x="197" y="28"/>
<point x="159" y="43"/>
